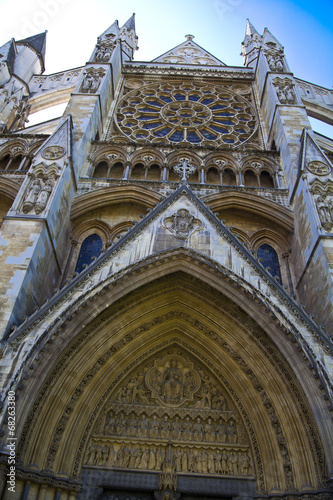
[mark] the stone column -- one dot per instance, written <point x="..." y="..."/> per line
<point x="42" y="492"/>
<point x="202" y="176"/>
<point x="127" y="171"/>
<point x="290" y="283"/>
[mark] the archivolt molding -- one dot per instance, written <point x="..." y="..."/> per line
<point x="21" y="146"/>
<point x="9" y="187"/>
<point x="258" y="164"/>
<point x="271" y="237"/>
<point x="118" y="229"/>
<point x="269" y="351"/>
<point x="148" y="156"/>
<point x="120" y="194"/>
<point x="249" y="202"/>
<point x="101" y="301"/>
<point x="99" y="227"/>
<point x="176" y="156"/>
<point x="110" y="154"/>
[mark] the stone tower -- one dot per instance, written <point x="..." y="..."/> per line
<point x="165" y="288"/>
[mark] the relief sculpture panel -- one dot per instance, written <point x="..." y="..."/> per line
<point x="171" y="415"/>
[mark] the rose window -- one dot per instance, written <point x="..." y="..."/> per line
<point x="186" y="113"/>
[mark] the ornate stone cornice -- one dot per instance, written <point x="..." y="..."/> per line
<point x="227" y="72"/>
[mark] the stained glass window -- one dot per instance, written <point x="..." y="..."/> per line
<point x="192" y="113"/>
<point x="91" y="247"/>
<point x="269" y="258"/>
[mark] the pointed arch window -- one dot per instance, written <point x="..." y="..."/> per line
<point x="269" y="258"/>
<point x="91" y="247"/>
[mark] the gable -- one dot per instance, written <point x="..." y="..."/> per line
<point x="189" y="53"/>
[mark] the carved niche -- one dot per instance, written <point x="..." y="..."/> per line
<point x="91" y="80"/>
<point x="171" y="416"/>
<point x="274" y="57"/>
<point x="37" y="195"/>
<point x="104" y="48"/>
<point x="285" y="90"/>
<point x="323" y="195"/>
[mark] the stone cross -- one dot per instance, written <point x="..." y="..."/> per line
<point x="184" y="169"/>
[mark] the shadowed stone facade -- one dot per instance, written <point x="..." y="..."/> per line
<point x="165" y="289"/>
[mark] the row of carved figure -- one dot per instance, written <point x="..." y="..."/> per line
<point x="37" y="195"/>
<point x="187" y="430"/>
<point x="188" y="460"/>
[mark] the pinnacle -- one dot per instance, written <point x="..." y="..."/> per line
<point x="130" y="24"/>
<point x="250" y="29"/>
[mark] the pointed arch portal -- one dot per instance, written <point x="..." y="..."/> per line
<point x="172" y="387"/>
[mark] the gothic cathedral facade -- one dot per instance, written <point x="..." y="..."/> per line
<point x="166" y="257"/>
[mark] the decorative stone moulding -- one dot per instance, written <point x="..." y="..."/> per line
<point x="182" y="224"/>
<point x="318" y="168"/>
<point x="196" y="114"/>
<point x="53" y="152"/>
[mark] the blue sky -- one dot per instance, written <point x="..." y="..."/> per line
<point x="304" y="27"/>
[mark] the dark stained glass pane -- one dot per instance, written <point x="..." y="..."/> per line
<point x="269" y="258"/>
<point x="91" y="247"/>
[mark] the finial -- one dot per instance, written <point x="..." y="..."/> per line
<point x="189" y="38"/>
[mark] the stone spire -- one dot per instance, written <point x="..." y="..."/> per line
<point x="129" y="38"/>
<point x="250" y="29"/>
<point x="250" y="45"/>
<point x="130" y="24"/>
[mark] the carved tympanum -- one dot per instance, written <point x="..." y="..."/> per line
<point x="171" y="416"/>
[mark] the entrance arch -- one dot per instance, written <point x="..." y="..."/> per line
<point x="199" y="325"/>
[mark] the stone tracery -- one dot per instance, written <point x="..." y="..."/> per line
<point x="187" y="113"/>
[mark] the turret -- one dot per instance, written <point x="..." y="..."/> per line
<point x="20" y="61"/>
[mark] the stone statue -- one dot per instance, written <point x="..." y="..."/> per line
<point x="160" y="454"/>
<point x="198" y="430"/>
<point x="92" y="80"/>
<point x="209" y="431"/>
<point x="172" y="381"/>
<point x="187" y="430"/>
<point x="232" y="432"/>
<point x="224" y="463"/>
<point x="176" y="429"/>
<point x="191" y="462"/>
<point x="31" y="196"/>
<point x="165" y="428"/>
<point x="143" y="427"/>
<point x="324" y="213"/>
<point x="210" y="462"/>
<point x="43" y="196"/>
<point x="221" y="433"/>
<point x="152" y="461"/>
<point x="144" y="459"/>
<point x="154" y="428"/>
<point x="178" y="459"/>
<point x="218" y="464"/>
